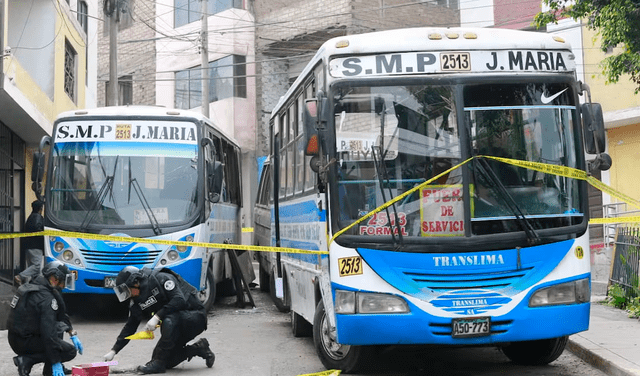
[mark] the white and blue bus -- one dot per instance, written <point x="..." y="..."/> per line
<point x="141" y="172"/>
<point x="383" y="157"/>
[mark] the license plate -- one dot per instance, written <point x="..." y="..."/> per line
<point x="472" y="327"/>
<point x="109" y="282"/>
<point x="455" y="61"/>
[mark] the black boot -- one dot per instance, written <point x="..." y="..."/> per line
<point x="203" y="350"/>
<point x="153" y="366"/>
<point x="24" y="364"/>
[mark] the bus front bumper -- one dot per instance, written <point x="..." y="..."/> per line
<point x="419" y="328"/>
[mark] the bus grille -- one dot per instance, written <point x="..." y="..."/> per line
<point x="455" y="281"/>
<point x="102" y="259"/>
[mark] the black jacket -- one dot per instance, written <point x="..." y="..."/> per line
<point x="162" y="292"/>
<point x="35" y="223"/>
<point x="35" y="311"/>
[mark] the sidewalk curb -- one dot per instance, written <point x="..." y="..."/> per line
<point x="597" y="361"/>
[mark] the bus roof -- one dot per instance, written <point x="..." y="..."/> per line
<point x="430" y="39"/>
<point x="442" y="39"/>
<point x="144" y="111"/>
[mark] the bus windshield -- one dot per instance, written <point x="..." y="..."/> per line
<point x="108" y="183"/>
<point x="390" y="139"/>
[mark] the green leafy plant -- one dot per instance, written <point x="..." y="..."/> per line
<point x="633" y="307"/>
<point x="620" y="298"/>
<point x="616" y="22"/>
<point x="616" y="296"/>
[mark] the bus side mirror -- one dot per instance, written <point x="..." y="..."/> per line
<point x="215" y="175"/>
<point x="37" y="171"/>
<point x="593" y="128"/>
<point x="594" y="136"/>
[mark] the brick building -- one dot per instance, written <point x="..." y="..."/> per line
<point x="136" y="54"/>
<point x="289" y="32"/>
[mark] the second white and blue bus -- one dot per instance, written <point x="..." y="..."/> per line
<point x="140" y="172"/>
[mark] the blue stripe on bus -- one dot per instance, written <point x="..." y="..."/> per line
<point x="523" y="323"/>
<point x="428" y="275"/>
<point x="305" y="223"/>
<point x="306" y="211"/>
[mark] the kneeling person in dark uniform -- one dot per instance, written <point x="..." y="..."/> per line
<point x="37" y="322"/>
<point x="166" y="300"/>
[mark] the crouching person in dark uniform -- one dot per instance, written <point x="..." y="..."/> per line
<point x="167" y="301"/>
<point x="37" y="322"/>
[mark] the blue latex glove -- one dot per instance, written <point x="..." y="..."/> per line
<point x="57" y="369"/>
<point x="77" y="344"/>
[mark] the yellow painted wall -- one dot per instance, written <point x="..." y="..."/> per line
<point x="623" y="143"/>
<point x="61" y="101"/>
<point x="613" y="97"/>
<point x="624" y="148"/>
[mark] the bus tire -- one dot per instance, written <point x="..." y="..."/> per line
<point x="535" y="353"/>
<point x="333" y="355"/>
<point x="281" y="304"/>
<point x="299" y="326"/>
<point x="208" y="295"/>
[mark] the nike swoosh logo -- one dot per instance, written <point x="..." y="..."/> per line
<point x="545" y="100"/>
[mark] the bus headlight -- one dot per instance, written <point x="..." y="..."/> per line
<point x="381" y="303"/>
<point x="350" y="302"/>
<point x="563" y="293"/>
<point x="345" y="301"/>
<point x="182" y="247"/>
<point x="172" y="255"/>
<point x="67" y="255"/>
<point x="58" y="246"/>
<point x="70" y="258"/>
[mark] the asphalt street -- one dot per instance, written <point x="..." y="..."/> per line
<point x="258" y="341"/>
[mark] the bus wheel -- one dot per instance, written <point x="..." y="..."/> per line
<point x="332" y="354"/>
<point x="281" y="304"/>
<point x="535" y="353"/>
<point x="208" y="295"/>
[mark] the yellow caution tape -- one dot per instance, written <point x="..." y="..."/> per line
<point x="602" y="221"/>
<point x="141" y="335"/>
<point x="126" y="239"/>
<point x="332" y="372"/>
<point x="247" y="229"/>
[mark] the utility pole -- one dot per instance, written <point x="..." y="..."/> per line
<point x="112" y="10"/>
<point x="205" y="56"/>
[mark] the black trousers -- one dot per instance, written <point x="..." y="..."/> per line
<point x="33" y="347"/>
<point x="176" y="330"/>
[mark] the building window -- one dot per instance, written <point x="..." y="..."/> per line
<point x="187" y="11"/>
<point x="227" y="78"/>
<point x="83" y="12"/>
<point x="125" y="91"/>
<point x="70" y="76"/>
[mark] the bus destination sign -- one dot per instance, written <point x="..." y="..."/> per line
<point x="528" y="61"/>
<point x="165" y="131"/>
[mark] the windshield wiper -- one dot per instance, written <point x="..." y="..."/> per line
<point x="106" y="189"/>
<point x="525" y="224"/>
<point x="383" y="177"/>
<point x="143" y="200"/>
